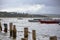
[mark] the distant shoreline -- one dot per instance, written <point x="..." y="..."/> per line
<point x="29" y="17"/>
<point x="23" y="15"/>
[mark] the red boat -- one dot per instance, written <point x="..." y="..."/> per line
<point x="49" y="21"/>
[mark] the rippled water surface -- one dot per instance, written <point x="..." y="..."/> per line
<point x="43" y="31"/>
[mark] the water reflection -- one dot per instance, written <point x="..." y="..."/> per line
<point x="13" y="39"/>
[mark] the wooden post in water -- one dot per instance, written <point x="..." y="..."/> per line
<point x="5" y="28"/>
<point x="10" y="25"/>
<point x="14" y="31"/>
<point x="0" y="27"/>
<point x="33" y="35"/>
<point x="26" y="33"/>
<point x="53" y="38"/>
<point x="23" y="38"/>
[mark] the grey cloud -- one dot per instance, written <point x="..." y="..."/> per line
<point x="49" y="10"/>
<point x="31" y="2"/>
<point x="52" y="6"/>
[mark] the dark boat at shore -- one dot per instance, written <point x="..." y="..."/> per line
<point x="33" y="20"/>
<point x="48" y="21"/>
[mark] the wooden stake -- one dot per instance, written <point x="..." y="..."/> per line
<point x="23" y="38"/>
<point x="11" y="24"/>
<point x="14" y="31"/>
<point x="5" y="28"/>
<point x="26" y="33"/>
<point x="53" y="38"/>
<point x="33" y="35"/>
<point x="0" y="27"/>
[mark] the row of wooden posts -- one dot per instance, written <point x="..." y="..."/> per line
<point x="13" y="32"/>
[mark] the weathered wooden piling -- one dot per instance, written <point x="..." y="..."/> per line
<point x="26" y="33"/>
<point x="0" y="27"/>
<point x="14" y="32"/>
<point x="5" y="28"/>
<point x="53" y="38"/>
<point x="10" y="25"/>
<point x="23" y="38"/>
<point x="33" y="35"/>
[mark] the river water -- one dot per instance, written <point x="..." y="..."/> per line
<point x="43" y="31"/>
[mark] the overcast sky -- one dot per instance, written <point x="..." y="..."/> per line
<point x="31" y="6"/>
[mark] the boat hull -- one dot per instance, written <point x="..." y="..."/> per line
<point x="49" y="22"/>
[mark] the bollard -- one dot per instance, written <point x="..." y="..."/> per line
<point x="26" y="33"/>
<point x="53" y="38"/>
<point x="14" y="32"/>
<point x="23" y="38"/>
<point x="5" y="28"/>
<point x="33" y="35"/>
<point x="11" y="24"/>
<point x="0" y="27"/>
